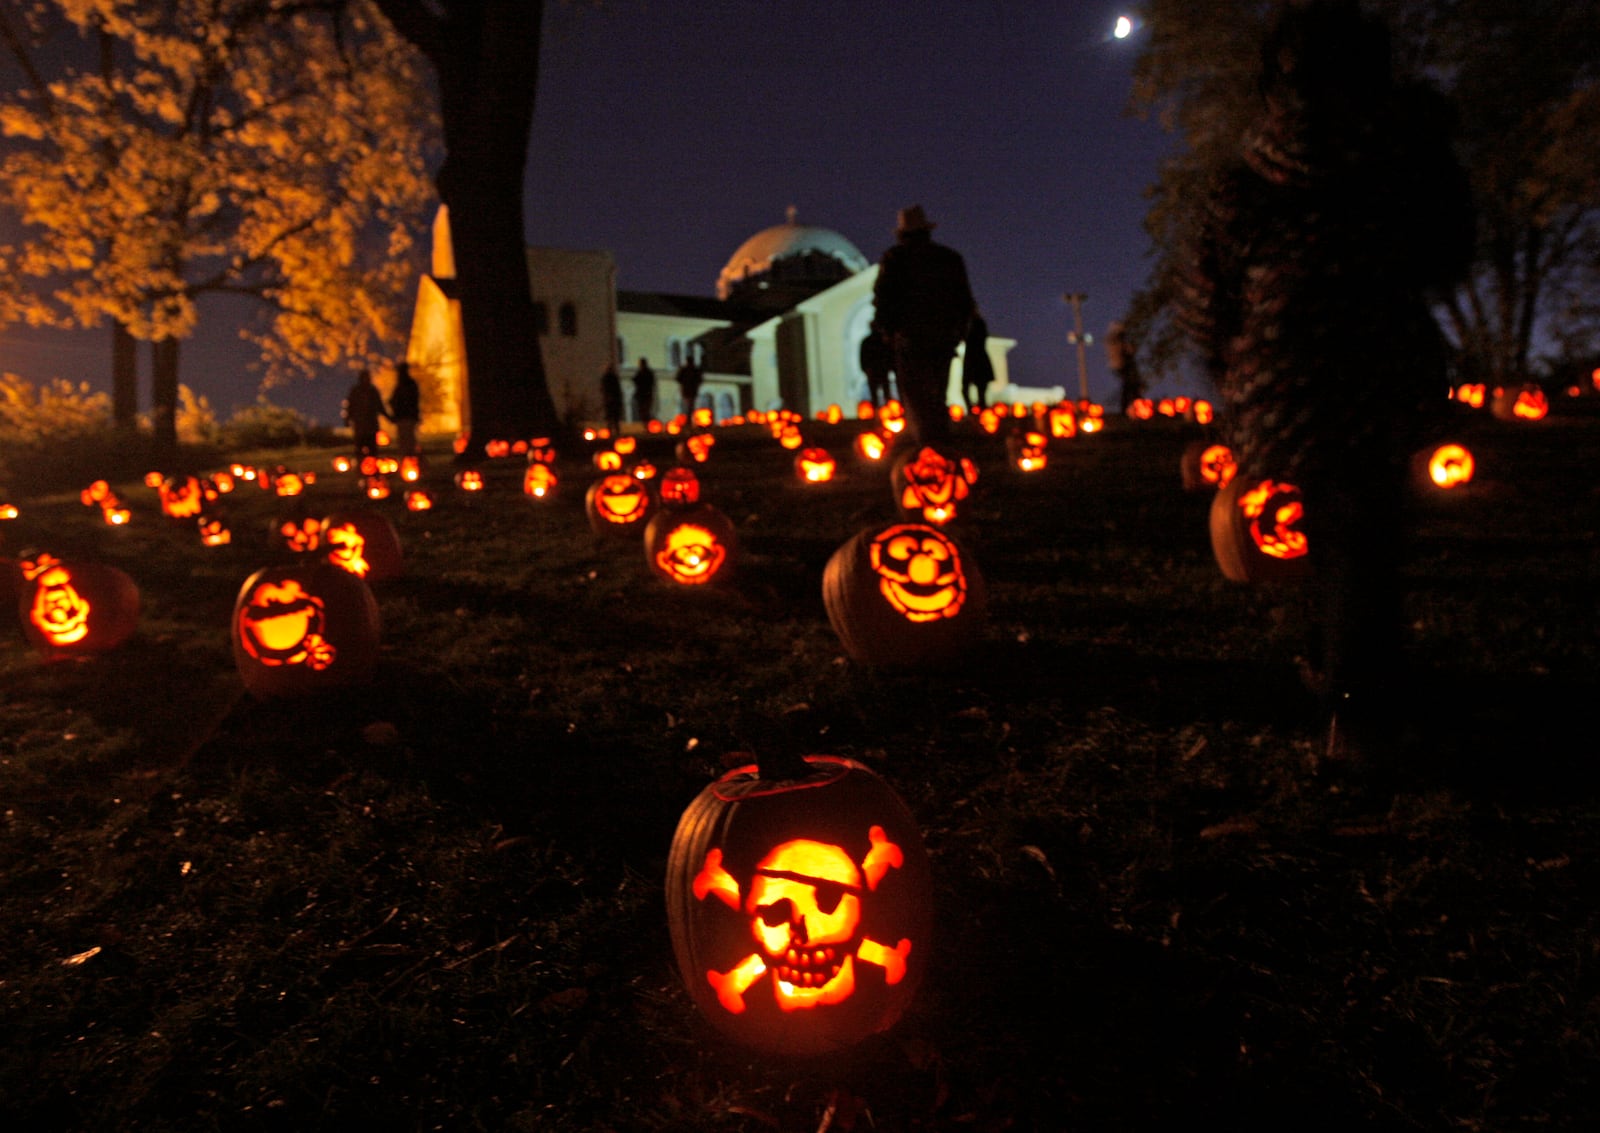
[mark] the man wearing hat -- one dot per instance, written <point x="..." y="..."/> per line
<point x="924" y="304"/>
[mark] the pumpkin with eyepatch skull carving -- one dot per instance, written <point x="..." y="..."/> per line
<point x="904" y="596"/>
<point x="798" y="899"/>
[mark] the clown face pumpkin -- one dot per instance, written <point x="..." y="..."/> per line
<point x="904" y="596"/>
<point x="618" y="504"/>
<point x="799" y="908"/>
<point x="303" y="629"/>
<point x="74" y="609"/>
<point x="928" y="484"/>
<point x="690" y="545"/>
<point x="1256" y="531"/>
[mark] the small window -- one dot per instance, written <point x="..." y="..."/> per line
<point x="541" y="318"/>
<point x="569" y="319"/>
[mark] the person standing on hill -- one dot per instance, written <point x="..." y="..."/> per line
<point x="405" y="410"/>
<point x="1308" y="294"/>
<point x="924" y="304"/>
<point x="363" y="404"/>
<point x="689" y="378"/>
<point x="644" y="391"/>
<point x="611" y="399"/>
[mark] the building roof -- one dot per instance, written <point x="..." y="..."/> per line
<point x="685" y="306"/>
<point x="810" y="244"/>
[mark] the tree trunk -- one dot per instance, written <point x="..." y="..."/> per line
<point x="124" y="379"/>
<point x="485" y="54"/>
<point x="164" y="401"/>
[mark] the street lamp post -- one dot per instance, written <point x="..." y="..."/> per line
<point x="1077" y="338"/>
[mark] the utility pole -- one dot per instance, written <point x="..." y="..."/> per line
<point x="1077" y="338"/>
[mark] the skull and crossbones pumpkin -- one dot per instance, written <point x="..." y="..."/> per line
<point x="813" y="878"/>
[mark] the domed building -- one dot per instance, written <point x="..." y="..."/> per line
<point x="784" y="329"/>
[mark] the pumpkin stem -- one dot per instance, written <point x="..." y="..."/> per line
<point x="784" y="765"/>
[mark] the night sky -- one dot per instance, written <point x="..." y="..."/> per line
<point x="669" y="132"/>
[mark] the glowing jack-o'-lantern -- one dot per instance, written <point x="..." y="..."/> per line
<point x="376" y="486"/>
<point x="928" y="485"/>
<point x="608" y="460"/>
<point x="181" y="498"/>
<point x="815" y="465"/>
<point x="695" y="449"/>
<point x="364" y="543"/>
<point x="496" y="448"/>
<point x="789" y="437"/>
<point x="1520" y="403"/>
<point x="1027" y="450"/>
<point x="304" y="629"/>
<point x="214" y="531"/>
<point x="799" y="905"/>
<point x="1061" y="421"/>
<point x="679" y="487"/>
<point x="541" y="451"/>
<point x="410" y="469"/>
<point x="618" y="504"/>
<point x="539" y="482"/>
<point x="469" y="480"/>
<point x="1206" y="467"/>
<point x="1256" y="531"/>
<point x="418" y="500"/>
<point x="1141" y="409"/>
<point x="74" y="609"/>
<point x="296" y="533"/>
<point x="690" y="545"/>
<point x="904" y="596"/>
<point x="871" y="447"/>
<point x="1446" y="466"/>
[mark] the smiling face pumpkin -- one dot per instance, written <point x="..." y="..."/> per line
<point x="919" y="572"/>
<point x="618" y="502"/>
<point x="279" y="623"/>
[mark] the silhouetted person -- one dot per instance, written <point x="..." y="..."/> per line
<point x="644" y="391"/>
<point x="689" y="377"/>
<point x="1124" y="365"/>
<point x="976" y="369"/>
<point x="362" y="406"/>
<point x="877" y="360"/>
<point x="405" y="410"/>
<point x="611" y="398"/>
<point x="1309" y="297"/>
<point x="924" y="303"/>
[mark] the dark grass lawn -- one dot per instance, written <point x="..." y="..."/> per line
<point x="437" y="903"/>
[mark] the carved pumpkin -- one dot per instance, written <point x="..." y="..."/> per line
<point x="541" y="451"/>
<point x="871" y="447"/>
<point x="418" y="500"/>
<point x="608" y="460"/>
<point x="496" y="448"/>
<point x="690" y="545"/>
<point x="1061" y="421"/>
<point x="410" y="469"/>
<point x="1027" y="450"/>
<point x="1520" y="403"/>
<point x="376" y="486"/>
<point x="1142" y="409"/>
<point x="181" y="498"/>
<point x="75" y="609"/>
<point x="904" y="596"/>
<point x="928" y="484"/>
<point x="1256" y="534"/>
<point x="799" y="904"/>
<point x="214" y="531"/>
<point x="618" y="504"/>
<point x="679" y="487"/>
<point x="364" y="543"/>
<point x="539" y="481"/>
<point x="304" y="629"/>
<point x="286" y="483"/>
<point x="815" y="465"/>
<point x="469" y="480"/>
<point x="295" y="533"/>
<point x="1445" y="466"/>
<point x="695" y="449"/>
<point x="1206" y="467"/>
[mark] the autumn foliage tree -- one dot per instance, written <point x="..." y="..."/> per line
<point x="159" y="151"/>
<point x="1523" y="77"/>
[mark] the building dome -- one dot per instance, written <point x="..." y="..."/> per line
<point x="797" y="255"/>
